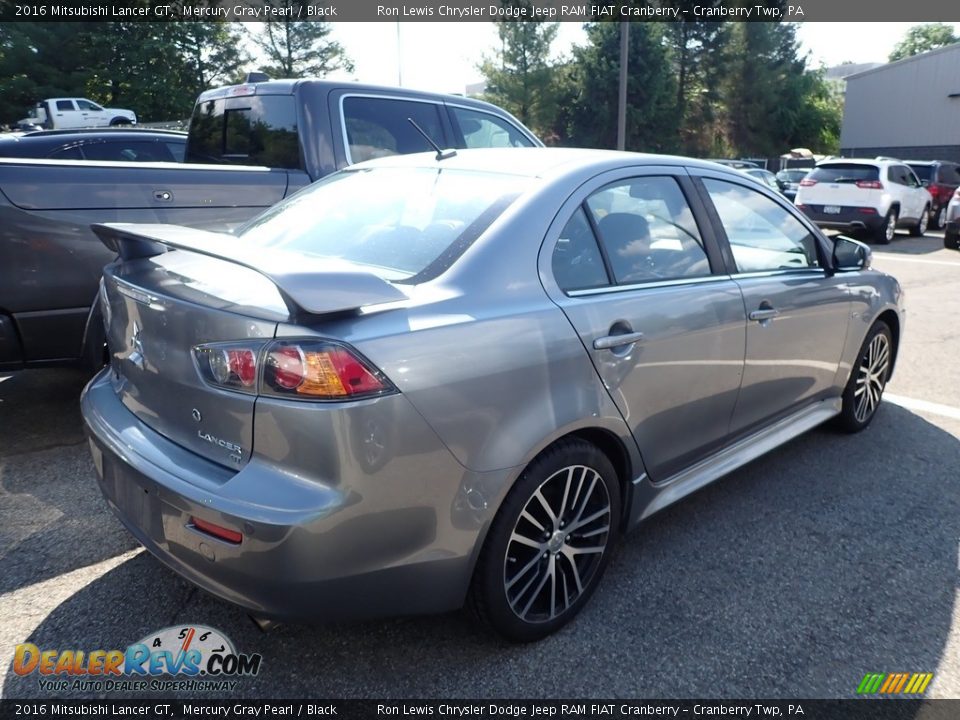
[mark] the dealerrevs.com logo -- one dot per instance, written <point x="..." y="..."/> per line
<point x="185" y="658"/>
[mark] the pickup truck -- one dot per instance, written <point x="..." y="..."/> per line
<point x="69" y="113"/>
<point x="248" y="147"/>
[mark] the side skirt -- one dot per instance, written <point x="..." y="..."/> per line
<point x="649" y="497"/>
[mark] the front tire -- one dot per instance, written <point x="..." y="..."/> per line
<point x="119" y="121"/>
<point x="549" y="543"/>
<point x="888" y="229"/>
<point x="864" y="390"/>
<point x="920" y="228"/>
<point x="951" y="242"/>
<point x="939" y="218"/>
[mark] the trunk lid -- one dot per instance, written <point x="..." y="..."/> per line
<point x="837" y="185"/>
<point x="157" y="310"/>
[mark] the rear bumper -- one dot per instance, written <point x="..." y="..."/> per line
<point x="846" y="219"/>
<point x="310" y="549"/>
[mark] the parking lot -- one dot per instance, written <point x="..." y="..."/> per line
<point x="830" y="557"/>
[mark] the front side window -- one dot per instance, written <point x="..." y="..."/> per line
<point x="89" y="106"/>
<point x="648" y="231"/>
<point x="763" y="235"/>
<point x="483" y="130"/>
<point x="380" y="127"/>
<point x="404" y="224"/>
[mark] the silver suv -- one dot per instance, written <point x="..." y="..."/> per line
<point x="877" y="196"/>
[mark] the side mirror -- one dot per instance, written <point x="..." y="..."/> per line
<point x="850" y="255"/>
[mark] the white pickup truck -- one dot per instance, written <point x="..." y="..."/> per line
<point x="69" y="113"/>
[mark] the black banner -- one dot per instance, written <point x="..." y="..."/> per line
<point x="866" y="709"/>
<point x="478" y="10"/>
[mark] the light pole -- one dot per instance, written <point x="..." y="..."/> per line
<point x="622" y="102"/>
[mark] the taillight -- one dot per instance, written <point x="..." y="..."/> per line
<point x="934" y="191"/>
<point x="870" y="184"/>
<point x="319" y="370"/>
<point x="229" y="365"/>
<point x="807" y="182"/>
<point x="296" y="369"/>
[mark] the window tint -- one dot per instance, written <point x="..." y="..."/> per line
<point x="648" y="231"/>
<point x="483" y="130"/>
<point x="577" y="263"/>
<point x="70" y="153"/>
<point x="128" y="151"/>
<point x="378" y="127"/>
<point x="65" y="105"/>
<point x="924" y="172"/>
<point x="762" y="234"/>
<point x="255" y="130"/>
<point x="844" y="173"/>
<point x="87" y="105"/>
<point x="949" y="174"/>
<point x="405" y="224"/>
<point x="177" y="150"/>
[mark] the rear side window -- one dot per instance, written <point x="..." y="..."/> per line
<point x="65" y="105"/>
<point x="379" y="127"/>
<point x="254" y="130"/>
<point x="648" y="231"/>
<point x="483" y="130"/>
<point x="844" y="173"/>
<point x="577" y="263"/>
<point x="924" y="172"/>
<point x="128" y="151"/>
<point x="405" y="224"/>
<point x="949" y="174"/>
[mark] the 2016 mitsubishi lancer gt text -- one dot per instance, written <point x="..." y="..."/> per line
<point x="431" y="380"/>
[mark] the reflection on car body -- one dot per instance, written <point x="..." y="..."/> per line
<point x="461" y="380"/>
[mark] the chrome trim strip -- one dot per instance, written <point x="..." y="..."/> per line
<point x="343" y="118"/>
<point x="729" y="459"/>
<point x="777" y="273"/>
<point x="653" y="284"/>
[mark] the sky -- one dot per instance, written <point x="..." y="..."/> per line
<point x="443" y="57"/>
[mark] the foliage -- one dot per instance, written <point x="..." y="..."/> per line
<point x="593" y="90"/>
<point x="921" y="38"/>
<point x="298" y="48"/>
<point x="156" y="69"/>
<point x="520" y="79"/>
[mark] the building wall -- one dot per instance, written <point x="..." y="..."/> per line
<point x="904" y="109"/>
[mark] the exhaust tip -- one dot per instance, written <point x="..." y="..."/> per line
<point x="265" y="624"/>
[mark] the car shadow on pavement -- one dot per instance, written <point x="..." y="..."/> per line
<point x="829" y="558"/>
<point x="904" y="244"/>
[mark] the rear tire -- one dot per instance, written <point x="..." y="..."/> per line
<point x="868" y="378"/>
<point x="951" y="242"/>
<point x="939" y="218"/>
<point x="888" y="229"/>
<point x="549" y="543"/>
<point x="920" y="228"/>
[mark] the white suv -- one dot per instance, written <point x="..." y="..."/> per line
<point x="951" y="231"/>
<point x="874" y="195"/>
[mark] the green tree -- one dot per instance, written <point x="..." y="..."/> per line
<point x="211" y="52"/>
<point x="921" y="38"/>
<point x="521" y="78"/>
<point x="299" y="48"/>
<point x="591" y="90"/>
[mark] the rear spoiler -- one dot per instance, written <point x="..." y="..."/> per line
<point x="307" y="285"/>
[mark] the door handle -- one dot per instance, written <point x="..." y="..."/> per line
<point x="764" y="314"/>
<point x="162" y="195"/>
<point x="608" y="342"/>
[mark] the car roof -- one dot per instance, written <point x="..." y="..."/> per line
<point x="540" y="162"/>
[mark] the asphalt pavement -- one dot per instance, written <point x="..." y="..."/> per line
<point x="829" y="558"/>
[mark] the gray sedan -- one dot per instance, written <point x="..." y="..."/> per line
<point x="430" y="380"/>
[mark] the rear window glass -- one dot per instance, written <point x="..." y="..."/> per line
<point x="949" y="174"/>
<point x="406" y="224"/>
<point x="254" y="130"/>
<point x="924" y="172"/>
<point x="378" y="127"/>
<point x="844" y="173"/>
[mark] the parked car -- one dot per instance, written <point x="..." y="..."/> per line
<point x="68" y="113"/>
<point x="735" y="164"/>
<point x="951" y="230"/>
<point x="790" y="180"/>
<point x="248" y="147"/>
<point x="941" y="179"/>
<point x="128" y="145"/>
<point x="873" y="195"/>
<point x="764" y="176"/>
<point x="425" y="380"/>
